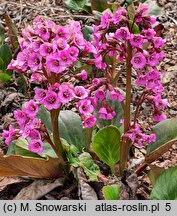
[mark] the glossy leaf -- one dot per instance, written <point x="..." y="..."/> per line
<point x="111" y="192"/>
<point x="71" y="129"/>
<point x="154" y="173"/>
<point x="131" y="10"/>
<point x="91" y="169"/>
<point x="106" y="145"/>
<point x="165" y="187"/>
<point x="70" y="126"/>
<point x="166" y="135"/>
<point x="21" y="148"/>
<point x="31" y="167"/>
<point x="118" y="109"/>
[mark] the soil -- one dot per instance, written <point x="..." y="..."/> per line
<point x="12" y="97"/>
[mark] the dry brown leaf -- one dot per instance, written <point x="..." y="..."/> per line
<point x="86" y="192"/>
<point x="38" y="189"/>
<point x="6" y="181"/>
<point x="32" y="167"/>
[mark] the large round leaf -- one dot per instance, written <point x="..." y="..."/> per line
<point x="106" y="145"/>
<point x="165" y="187"/>
<point x="166" y="135"/>
<point x="70" y="126"/>
<point x="71" y="129"/>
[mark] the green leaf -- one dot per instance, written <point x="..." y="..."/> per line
<point x="21" y="148"/>
<point x="154" y="9"/>
<point x="4" y="77"/>
<point x="165" y="187"/>
<point x="71" y="129"/>
<point x="44" y="115"/>
<point x="91" y="169"/>
<point x="118" y="109"/>
<point x="135" y="29"/>
<point x="71" y="152"/>
<point x="166" y="135"/>
<point x="70" y="126"/>
<point x="111" y="192"/>
<point x="6" y="56"/>
<point x="154" y="173"/>
<point x="129" y="2"/>
<point x="106" y="145"/>
<point x="77" y="5"/>
<point x="87" y="32"/>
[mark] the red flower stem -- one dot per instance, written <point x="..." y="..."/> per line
<point x="55" y="129"/>
<point x="126" y="143"/>
<point x="47" y="138"/>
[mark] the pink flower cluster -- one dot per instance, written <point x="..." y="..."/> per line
<point x="49" y="54"/>
<point x="28" y="127"/>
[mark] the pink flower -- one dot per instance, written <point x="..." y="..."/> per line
<point x="34" y="134"/>
<point x="64" y="58"/>
<point x="141" y="80"/>
<point x="158" y="42"/>
<point x="31" y="108"/>
<point x="10" y="135"/>
<point x="21" y="117"/>
<point x="106" y="19"/>
<point x="122" y="33"/>
<point x="96" y="82"/>
<point x="46" y="49"/>
<point x="79" y="41"/>
<point x="106" y="113"/>
<point x="89" y="121"/>
<point x="138" y="60"/>
<point x="40" y="94"/>
<point x="43" y="32"/>
<point x="35" y="62"/>
<point x="36" y="146"/>
<point x="98" y="62"/>
<point x="73" y="53"/>
<point x="53" y="64"/>
<point x="80" y="92"/>
<point x="85" y="107"/>
<point x="136" y="40"/>
<point x="116" y="95"/>
<point x="60" y="44"/>
<point x="66" y="93"/>
<point x="62" y="32"/>
<point x="100" y="94"/>
<point x="22" y="59"/>
<point x="117" y="17"/>
<point x="159" y="116"/>
<point x="149" y="33"/>
<point x="153" y="74"/>
<point x="153" y="59"/>
<point x="51" y="101"/>
<point x="82" y="75"/>
<point x="55" y="88"/>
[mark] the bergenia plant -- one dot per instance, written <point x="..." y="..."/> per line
<point x="57" y="59"/>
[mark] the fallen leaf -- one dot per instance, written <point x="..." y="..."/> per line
<point x="32" y="167"/>
<point x="86" y="192"/>
<point x="6" y="181"/>
<point x="38" y="189"/>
